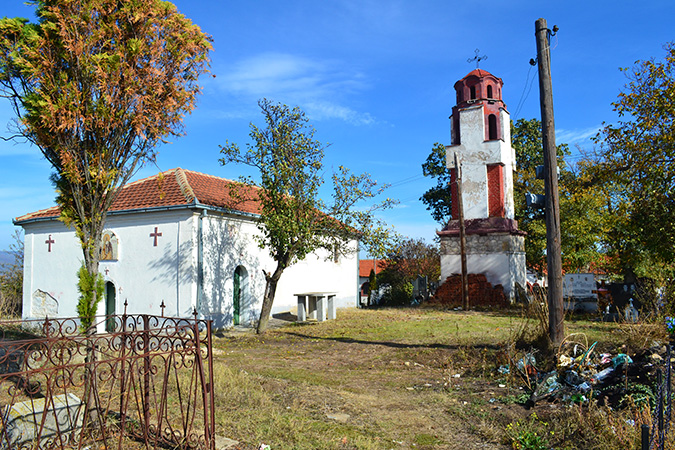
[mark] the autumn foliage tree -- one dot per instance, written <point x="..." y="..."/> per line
<point x="408" y="259"/>
<point x="635" y="168"/>
<point x="96" y="85"/>
<point x="294" y="220"/>
<point x="581" y="227"/>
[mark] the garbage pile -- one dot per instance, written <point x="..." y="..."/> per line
<point x="582" y="374"/>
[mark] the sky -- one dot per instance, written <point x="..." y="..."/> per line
<point x="376" y="80"/>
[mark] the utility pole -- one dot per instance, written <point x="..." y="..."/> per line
<point x="553" y="258"/>
<point x="462" y="237"/>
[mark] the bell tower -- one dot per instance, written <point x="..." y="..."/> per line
<point x="480" y="133"/>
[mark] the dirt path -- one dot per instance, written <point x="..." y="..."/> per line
<point x="404" y="394"/>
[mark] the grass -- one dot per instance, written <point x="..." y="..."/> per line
<point x="405" y="379"/>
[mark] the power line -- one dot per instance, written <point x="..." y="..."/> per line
<point x="406" y="181"/>
<point x="524" y="95"/>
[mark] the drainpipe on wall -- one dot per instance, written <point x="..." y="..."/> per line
<point x="178" y="257"/>
<point x="200" y="261"/>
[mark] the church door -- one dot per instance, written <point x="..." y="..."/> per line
<point x="236" y="301"/>
<point x="239" y="299"/>
<point x="109" y="306"/>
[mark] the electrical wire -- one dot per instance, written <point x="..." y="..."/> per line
<point x="523" y="95"/>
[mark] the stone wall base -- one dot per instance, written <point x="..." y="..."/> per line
<point x="500" y="257"/>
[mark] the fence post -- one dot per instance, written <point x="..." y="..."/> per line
<point x="124" y="396"/>
<point x="669" y="392"/>
<point x="659" y="381"/>
<point x="146" y="376"/>
<point x="645" y="437"/>
<point x="212" y="412"/>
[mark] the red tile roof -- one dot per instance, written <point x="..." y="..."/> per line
<point x="366" y="265"/>
<point x="478" y="73"/>
<point x="176" y="187"/>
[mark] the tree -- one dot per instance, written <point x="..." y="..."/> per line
<point x="438" y="198"/>
<point x="409" y="259"/>
<point x="580" y="207"/>
<point x="634" y="167"/>
<point x="11" y="279"/>
<point x="294" y="221"/>
<point x="96" y="85"/>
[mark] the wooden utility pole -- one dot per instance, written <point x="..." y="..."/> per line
<point x="553" y="258"/>
<point x="462" y="237"/>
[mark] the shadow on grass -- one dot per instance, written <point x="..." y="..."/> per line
<point x="400" y="345"/>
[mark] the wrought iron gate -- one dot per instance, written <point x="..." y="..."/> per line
<point x="146" y="383"/>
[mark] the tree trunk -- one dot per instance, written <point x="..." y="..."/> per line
<point x="91" y="416"/>
<point x="268" y="299"/>
<point x="90" y="248"/>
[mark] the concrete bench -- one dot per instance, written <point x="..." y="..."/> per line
<point x="316" y="305"/>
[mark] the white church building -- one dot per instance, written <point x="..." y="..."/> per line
<point x="173" y="243"/>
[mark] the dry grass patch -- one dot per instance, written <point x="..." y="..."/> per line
<point x="388" y="379"/>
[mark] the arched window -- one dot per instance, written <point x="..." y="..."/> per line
<point x="489" y="92"/>
<point x="473" y="92"/>
<point x="454" y="131"/>
<point x="492" y="127"/>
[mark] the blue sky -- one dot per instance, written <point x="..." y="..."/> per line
<point x="376" y="80"/>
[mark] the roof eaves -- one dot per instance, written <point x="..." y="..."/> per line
<point x="229" y="211"/>
<point x="195" y="204"/>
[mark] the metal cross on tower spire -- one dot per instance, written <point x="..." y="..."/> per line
<point x="477" y="58"/>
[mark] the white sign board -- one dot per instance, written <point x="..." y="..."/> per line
<point x="579" y="285"/>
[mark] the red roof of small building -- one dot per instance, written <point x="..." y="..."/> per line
<point x="366" y="265"/>
<point x="176" y="187"/>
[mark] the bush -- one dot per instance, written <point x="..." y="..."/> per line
<point x="11" y="280"/>
<point x="399" y="295"/>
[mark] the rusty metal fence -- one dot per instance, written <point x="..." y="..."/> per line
<point x="656" y="437"/>
<point x="146" y="383"/>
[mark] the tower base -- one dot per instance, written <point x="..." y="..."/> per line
<point x="494" y="247"/>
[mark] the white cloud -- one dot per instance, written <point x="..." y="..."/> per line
<point x="578" y="136"/>
<point x="319" y="87"/>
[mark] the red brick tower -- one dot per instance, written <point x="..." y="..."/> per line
<point x="481" y="140"/>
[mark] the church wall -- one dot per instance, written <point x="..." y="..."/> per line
<point x="147" y="275"/>
<point x="319" y="273"/>
<point x="232" y="244"/>
<point x="50" y="277"/>
<point x="143" y="274"/>
<point x="228" y="243"/>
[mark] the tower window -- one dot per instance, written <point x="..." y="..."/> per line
<point x="492" y="127"/>
<point x="489" y="92"/>
<point x="473" y="92"/>
<point x="454" y="130"/>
